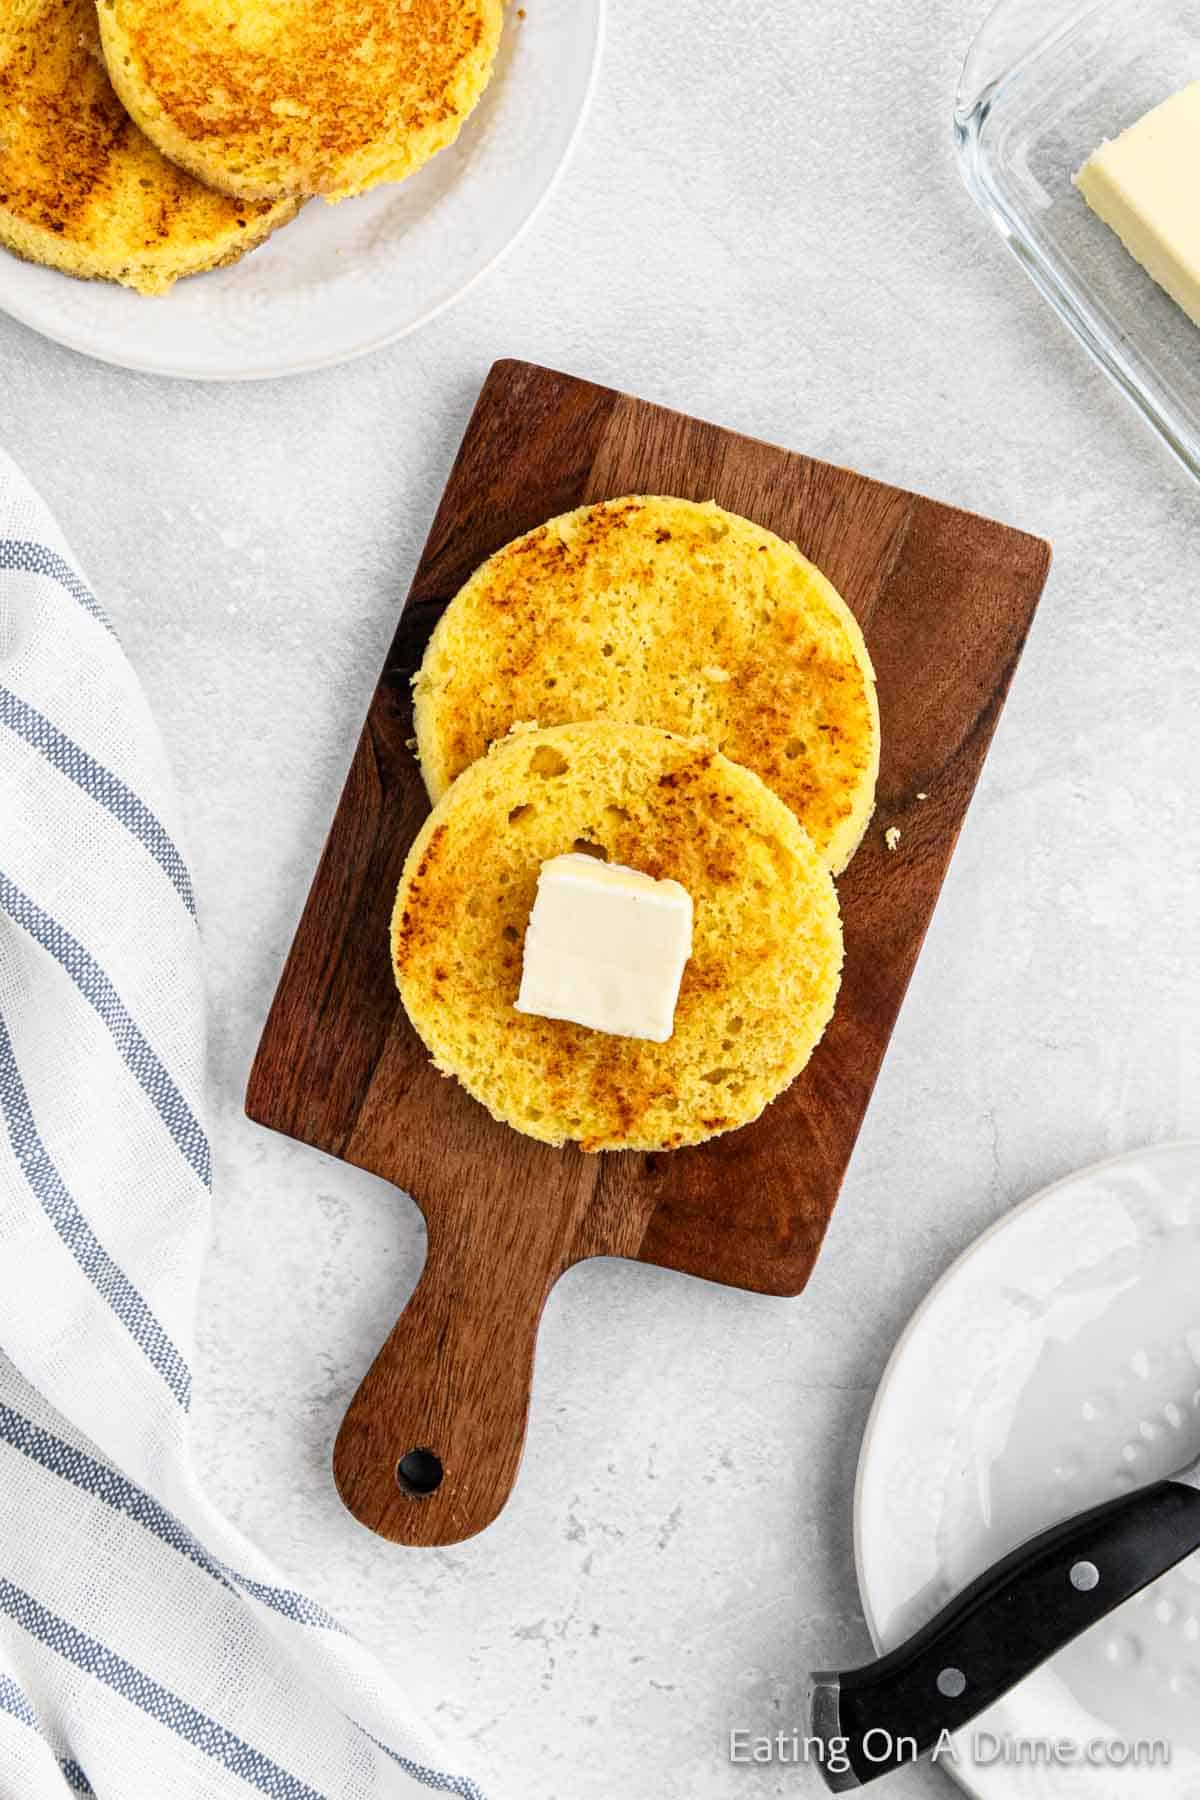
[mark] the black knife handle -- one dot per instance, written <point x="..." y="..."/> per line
<point x="998" y="1630"/>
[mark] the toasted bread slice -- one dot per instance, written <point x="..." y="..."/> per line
<point x="263" y="98"/>
<point x="81" y="188"/>
<point x="766" y="958"/>
<point x="671" y="613"/>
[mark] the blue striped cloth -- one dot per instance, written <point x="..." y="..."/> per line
<point x="147" y="1651"/>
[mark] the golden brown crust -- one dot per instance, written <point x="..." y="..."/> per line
<point x="81" y="188"/>
<point x="277" y="97"/>
<point x="663" y="612"/>
<point x="756" y="994"/>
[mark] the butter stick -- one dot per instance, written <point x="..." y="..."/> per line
<point x="1145" y="185"/>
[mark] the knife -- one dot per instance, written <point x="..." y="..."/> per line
<point x="1008" y="1622"/>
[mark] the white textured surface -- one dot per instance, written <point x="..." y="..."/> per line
<point x="762" y="225"/>
<point x="1054" y="1368"/>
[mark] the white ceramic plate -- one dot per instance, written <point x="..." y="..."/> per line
<point x="342" y="280"/>
<point x="1055" y="1365"/>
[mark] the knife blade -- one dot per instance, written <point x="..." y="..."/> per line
<point x="1005" y="1624"/>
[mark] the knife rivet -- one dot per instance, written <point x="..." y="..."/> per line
<point x="1084" y="1577"/>
<point x="951" y="1683"/>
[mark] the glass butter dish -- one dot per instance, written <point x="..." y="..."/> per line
<point x="1045" y="83"/>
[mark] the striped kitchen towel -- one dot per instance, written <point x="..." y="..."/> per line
<point x="147" y="1651"/>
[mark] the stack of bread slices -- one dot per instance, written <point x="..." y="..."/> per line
<point x="145" y="140"/>
<point x="672" y="688"/>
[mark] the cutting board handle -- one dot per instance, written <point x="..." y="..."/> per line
<point x="430" y="1447"/>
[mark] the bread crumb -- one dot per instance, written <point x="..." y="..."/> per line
<point x="411" y="744"/>
<point x="520" y="12"/>
<point x="891" y="836"/>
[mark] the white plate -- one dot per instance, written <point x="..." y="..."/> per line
<point x="1055" y="1365"/>
<point x="342" y="280"/>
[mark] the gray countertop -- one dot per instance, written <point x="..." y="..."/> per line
<point x="762" y="225"/>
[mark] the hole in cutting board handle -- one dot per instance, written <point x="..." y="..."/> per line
<point x="418" y="1473"/>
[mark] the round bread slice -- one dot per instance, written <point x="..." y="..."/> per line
<point x="766" y="959"/>
<point x="263" y="98"/>
<point x="81" y="188"/>
<point x="663" y="612"/>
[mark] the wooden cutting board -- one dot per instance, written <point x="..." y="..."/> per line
<point x="945" y="600"/>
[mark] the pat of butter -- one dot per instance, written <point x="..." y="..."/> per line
<point x="606" y="947"/>
<point x="1145" y="185"/>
